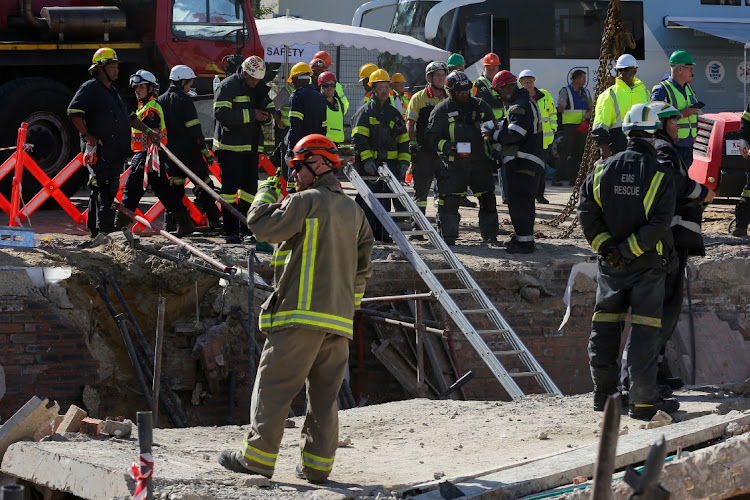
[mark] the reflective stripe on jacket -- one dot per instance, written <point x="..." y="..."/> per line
<point x="687" y="126"/>
<point x="138" y="138"/>
<point x="613" y="104"/>
<point x="322" y="256"/>
<point x="234" y="110"/>
<point x="451" y="123"/>
<point x="576" y="108"/>
<point x="549" y="117"/>
<point x="335" y="120"/>
<point x="483" y="90"/>
<point x="379" y="133"/>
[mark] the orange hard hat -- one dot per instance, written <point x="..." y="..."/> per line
<point x="315" y="144"/>
<point x="491" y="59"/>
<point x="322" y="54"/>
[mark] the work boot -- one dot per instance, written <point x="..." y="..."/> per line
<point x="600" y="399"/>
<point x="516" y="246"/>
<point x="673" y="383"/>
<point x="121" y="221"/>
<point x="214" y="227"/>
<point x="184" y="224"/>
<point x="542" y="200"/>
<point x="301" y="475"/>
<point x="231" y="460"/>
<point x="642" y="411"/>
<point x="233" y="239"/>
<point x="739" y="231"/>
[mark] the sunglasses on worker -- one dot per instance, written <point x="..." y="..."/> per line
<point x="328" y="85"/>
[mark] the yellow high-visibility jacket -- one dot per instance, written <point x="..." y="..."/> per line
<point x="322" y="248"/>
<point x="613" y="104"/>
<point x="549" y="117"/>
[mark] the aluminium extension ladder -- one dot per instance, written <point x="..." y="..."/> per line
<point x="481" y="309"/>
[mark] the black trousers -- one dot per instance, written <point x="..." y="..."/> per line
<point x="453" y="179"/>
<point x="643" y="292"/>
<point x="521" y="176"/>
<point x="104" y="186"/>
<point x="542" y="181"/>
<point x="239" y="183"/>
<point x="425" y="167"/>
<point x="133" y="190"/>
<point x="572" y="146"/>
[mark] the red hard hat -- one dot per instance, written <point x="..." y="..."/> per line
<point x="318" y="64"/>
<point x="315" y="144"/>
<point x="322" y="54"/>
<point x="491" y="59"/>
<point x="326" y="76"/>
<point x="502" y="79"/>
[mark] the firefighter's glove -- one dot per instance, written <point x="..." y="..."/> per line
<point x="208" y="156"/>
<point x="413" y="148"/>
<point x="370" y="167"/>
<point x="271" y="187"/>
<point x="612" y="256"/>
<point x="491" y="130"/>
<point x="744" y="149"/>
<point x="89" y="155"/>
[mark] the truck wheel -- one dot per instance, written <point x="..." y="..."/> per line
<point x="42" y="103"/>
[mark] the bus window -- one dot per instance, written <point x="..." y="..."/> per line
<point x="476" y="33"/>
<point x="410" y="17"/>
<point x="208" y="19"/>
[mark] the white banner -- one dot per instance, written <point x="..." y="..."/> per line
<point x="297" y="53"/>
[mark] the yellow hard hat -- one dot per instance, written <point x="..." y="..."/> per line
<point x="379" y="75"/>
<point x="101" y="57"/>
<point x="366" y="70"/>
<point x="398" y="78"/>
<point x="299" y="69"/>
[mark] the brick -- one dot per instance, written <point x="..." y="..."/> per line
<point x="71" y="421"/>
<point x="91" y="426"/>
<point x="117" y="429"/>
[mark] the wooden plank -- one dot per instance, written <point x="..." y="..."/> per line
<point x="561" y="469"/>
<point x="30" y="419"/>
<point x="402" y="370"/>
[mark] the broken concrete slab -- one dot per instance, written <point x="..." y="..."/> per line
<point x="562" y="469"/>
<point x="71" y="422"/>
<point x="30" y="419"/>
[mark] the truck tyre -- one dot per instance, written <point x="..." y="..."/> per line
<point x="42" y="103"/>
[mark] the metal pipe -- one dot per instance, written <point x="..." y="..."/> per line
<point x="419" y="337"/>
<point x="147" y="349"/>
<point x="456" y="385"/>
<point x="605" y="460"/>
<point x="190" y="248"/>
<point x="206" y="188"/>
<point x="397" y="317"/>
<point x="157" y="354"/>
<point x="145" y="440"/>
<point x="410" y="326"/>
<point x="30" y="18"/>
<point x="134" y="359"/>
<point x="252" y="345"/>
<point x="399" y="298"/>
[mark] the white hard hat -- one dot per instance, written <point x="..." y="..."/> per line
<point x="641" y="117"/>
<point x="142" y="76"/>
<point x="253" y="66"/>
<point x="626" y="61"/>
<point x="181" y="72"/>
<point x="526" y="72"/>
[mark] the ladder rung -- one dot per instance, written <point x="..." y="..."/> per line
<point x="444" y="271"/>
<point x="458" y="291"/>
<point x="490" y="332"/>
<point x="429" y="251"/>
<point x="387" y="195"/>
<point x="402" y="214"/>
<point x="475" y="311"/>
<point x="422" y="232"/>
<point x="525" y="374"/>
<point x="507" y="353"/>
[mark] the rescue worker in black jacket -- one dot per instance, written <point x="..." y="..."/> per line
<point x="186" y="141"/>
<point x="307" y="113"/>
<point x="453" y="131"/>
<point x="521" y="151"/>
<point x="742" y="209"/>
<point x="240" y="113"/>
<point x="379" y="137"/>
<point x="691" y="198"/>
<point x="627" y="204"/>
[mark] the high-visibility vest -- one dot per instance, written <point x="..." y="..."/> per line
<point x="138" y="138"/>
<point x="614" y="103"/>
<point x="577" y="107"/>
<point x="549" y="117"/>
<point x="687" y="126"/>
<point x="402" y="101"/>
<point x="335" y="121"/>
<point x="498" y="112"/>
<point x="285" y="108"/>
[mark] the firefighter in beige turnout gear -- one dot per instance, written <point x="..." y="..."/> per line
<point x="323" y="245"/>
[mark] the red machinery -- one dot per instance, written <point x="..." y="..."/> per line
<point x="717" y="161"/>
<point x="47" y="45"/>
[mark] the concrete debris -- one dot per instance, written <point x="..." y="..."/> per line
<point x="344" y="442"/>
<point x="71" y="421"/>
<point x="195" y="398"/>
<point x="580" y="479"/>
<point x="659" y="420"/>
<point x="542" y="435"/>
<point x="91" y="400"/>
<point x="117" y="429"/>
<point x="324" y="495"/>
<point x="49" y="429"/>
<point x="438" y="474"/>
<point x="254" y="480"/>
<point x="623" y="431"/>
<point x="530" y="294"/>
<point x="33" y="417"/>
<point x="734" y="429"/>
<point x="58" y="295"/>
<point x="528" y="281"/>
<point x="91" y="426"/>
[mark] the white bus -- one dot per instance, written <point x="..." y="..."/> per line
<point x="555" y="37"/>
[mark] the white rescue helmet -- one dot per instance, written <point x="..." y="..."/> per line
<point x="142" y="76"/>
<point x="525" y="73"/>
<point x="626" y="61"/>
<point x="181" y="72"/>
<point x="641" y="117"/>
<point x="254" y="67"/>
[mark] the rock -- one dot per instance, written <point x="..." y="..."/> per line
<point x="91" y="400"/>
<point x="344" y="442"/>
<point x="438" y="475"/>
<point x="254" y="480"/>
<point x="623" y="431"/>
<point x="195" y="398"/>
<point x="324" y="495"/>
<point x="58" y="295"/>
<point x="580" y="479"/>
<point x="659" y="420"/>
<point x="733" y="429"/>
<point x="530" y="294"/>
<point x="583" y="283"/>
<point x="542" y="435"/>
<point x="525" y="280"/>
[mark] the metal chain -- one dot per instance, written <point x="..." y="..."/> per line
<point x="614" y="40"/>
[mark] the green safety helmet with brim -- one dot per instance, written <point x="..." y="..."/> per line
<point x="642" y="118"/>
<point x="664" y="110"/>
<point x="103" y="56"/>
<point x="681" y="57"/>
<point x="455" y="60"/>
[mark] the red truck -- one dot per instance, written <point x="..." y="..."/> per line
<point x="717" y="160"/>
<point x="46" y="48"/>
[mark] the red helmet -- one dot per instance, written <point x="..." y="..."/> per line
<point x="322" y="54"/>
<point x="502" y="79"/>
<point x="491" y="59"/>
<point x="318" y="65"/>
<point x="326" y="76"/>
<point x="315" y="144"/>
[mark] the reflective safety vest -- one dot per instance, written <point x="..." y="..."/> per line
<point x="549" y="117"/>
<point x="483" y="85"/>
<point x="138" y="138"/>
<point x="613" y="104"/>
<point x="687" y="126"/>
<point x="335" y="120"/>
<point x="285" y="108"/>
<point x="402" y="102"/>
<point x="577" y="107"/>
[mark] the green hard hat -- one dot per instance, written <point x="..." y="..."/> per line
<point x="681" y="57"/>
<point x="455" y="60"/>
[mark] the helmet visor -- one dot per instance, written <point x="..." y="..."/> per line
<point x="136" y="79"/>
